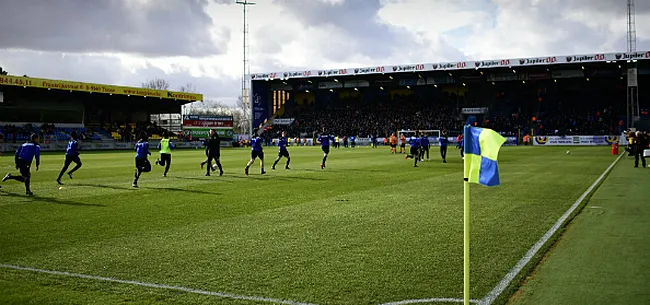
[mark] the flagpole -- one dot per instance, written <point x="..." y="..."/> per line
<point x="465" y="224"/>
<point x="466" y="244"/>
<point x="481" y="146"/>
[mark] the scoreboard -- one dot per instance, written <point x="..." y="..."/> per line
<point x="199" y="125"/>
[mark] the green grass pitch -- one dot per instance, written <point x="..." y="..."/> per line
<point x="369" y="229"/>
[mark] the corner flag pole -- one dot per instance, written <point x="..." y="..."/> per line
<point x="489" y="142"/>
<point x="466" y="226"/>
<point x="466" y="243"/>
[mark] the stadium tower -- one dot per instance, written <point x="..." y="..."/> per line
<point x="245" y="90"/>
<point x="632" y="82"/>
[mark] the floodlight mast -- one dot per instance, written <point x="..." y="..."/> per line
<point x="631" y="26"/>
<point x="245" y="89"/>
<point x="632" y="100"/>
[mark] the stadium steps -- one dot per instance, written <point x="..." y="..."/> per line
<point x="103" y="135"/>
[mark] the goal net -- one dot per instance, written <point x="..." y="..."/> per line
<point x="432" y="134"/>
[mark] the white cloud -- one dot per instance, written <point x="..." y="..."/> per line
<point x="432" y="19"/>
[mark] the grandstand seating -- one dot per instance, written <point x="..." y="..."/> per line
<point x="59" y="134"/>
<point x="103" y="134"/>
<point x="545" y="109"/>
<point x="63" y="133"/>
<point x="116" y="133"/>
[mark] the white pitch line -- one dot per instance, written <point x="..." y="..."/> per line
<point x="159" y="286"/>
<point x="499" y="288"/>
<point x="436" y="300"/>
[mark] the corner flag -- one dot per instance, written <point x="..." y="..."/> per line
<point x="481" y="152"/>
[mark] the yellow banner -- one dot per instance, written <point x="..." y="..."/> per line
<point x="9" y="80"/>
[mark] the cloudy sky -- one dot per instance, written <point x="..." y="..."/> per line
<point x="127" y="42"/>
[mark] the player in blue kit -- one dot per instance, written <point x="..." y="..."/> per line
<point x="444" y="142"/>
<point x="142" y="153"/>
<point x="353" y="141"/>
<point x="414" y="141"/>
<point x="424" y="147"/>
<point x="256" y="152"/>
<point x="325" y="140"/>
<point x="23" y="158"/>
<point x="282" y="151"/>
<point x="71" y="155"/>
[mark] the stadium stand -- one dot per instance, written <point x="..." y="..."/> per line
<point x="20" y="132"/>
<point x="562" y="110"/>
<point x="98" y="113"/>
<point x="583" y="94"/>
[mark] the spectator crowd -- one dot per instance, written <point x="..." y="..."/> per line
<point x="129" y="132"/>
<point x="353" y="116"/>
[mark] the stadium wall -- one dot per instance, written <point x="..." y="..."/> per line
<point x="510" y="141"/>
<point x="576" y="140"/>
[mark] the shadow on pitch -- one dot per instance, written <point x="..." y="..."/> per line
<point x="214" y="178"/>
<point x="121" y="188"/>
<point x="313" y="170"/>
<point x="37" y="198"/>
<point x="171" y="189"/>
<point x="147" y="188"/>
<point x="254" y="176"/>
<point x="273" y="177"/>
<point x="298" y="178"/>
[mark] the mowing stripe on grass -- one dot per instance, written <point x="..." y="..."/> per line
<point x="436" y="300"/>
<point x="499" y="288"/>
<point x="158" y="286"/>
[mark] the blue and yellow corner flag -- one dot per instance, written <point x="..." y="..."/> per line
<point x="481" y="152"/>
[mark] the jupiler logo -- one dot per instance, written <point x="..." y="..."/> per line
<point x="486" y="64"/>
<point x="404" y="68"/>
<point x="447" y="66"/>
<point x="365" y="70"/>
<point x="254" y="76"/>
<point x="540" y="60"/>
<point x="581" y="58"/>
<point x="328" y="72"/>
<point x="635" y="55"/>
<point x="293" y="74"/>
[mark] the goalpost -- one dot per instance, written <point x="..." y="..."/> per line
<point x="432" y="134"/>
